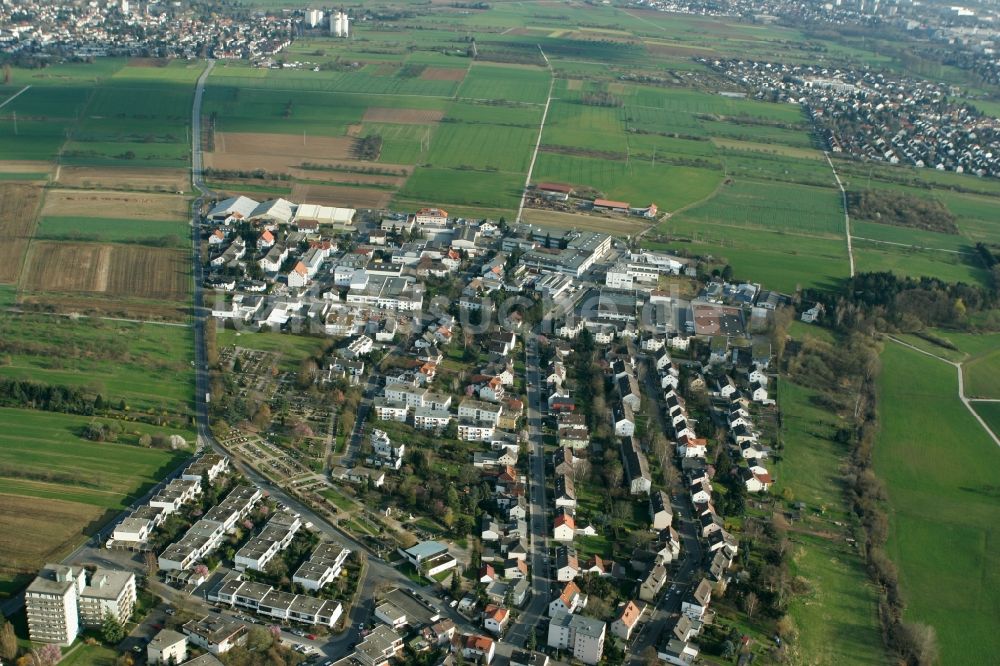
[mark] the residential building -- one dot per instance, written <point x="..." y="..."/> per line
<point x="584" y="636"/>
<point x="108" y="593"/>
<point x="51" y="604"/>
<point x="480" y="649"/>
<point x="166" y="647"/>
<point x="216" y="634"/>
<point x="628" y="618"/>
<point x="569" y="600"/>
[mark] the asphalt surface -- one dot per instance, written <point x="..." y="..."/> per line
<point x="531" y="616"/>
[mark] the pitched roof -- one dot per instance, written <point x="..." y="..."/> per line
<point x="630" y="614"/>
<point x="570" y="591"/>
<point x="565" y="519"/>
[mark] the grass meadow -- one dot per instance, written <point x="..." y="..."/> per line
<point x="838" y="616"/>
<point x="939" y="468"/>
<point x="147" y="365"/>
<point x="62" y="488"/>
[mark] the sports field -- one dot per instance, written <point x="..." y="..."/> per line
<point x="939" y="468"/>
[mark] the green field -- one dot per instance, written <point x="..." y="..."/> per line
<point x="838" y="617"/>
<point x="640" y="183"/>
<point x="939" y="467"/>
<point x="989" y="412"/>
<point x="147" y="365"/>
<point x="108" y="474"/>
<point x="156" y="233"/>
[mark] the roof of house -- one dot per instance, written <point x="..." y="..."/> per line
<point x="608" y="203"/>
<point x="630" y="614"/>
<point x="555" y="187"/>
<point x="495" y="613"/>
<point x="569" y="591"/>
<point x="565" y="519"/>
<point x="436" y="212"/>
<point x="477" y="642"/>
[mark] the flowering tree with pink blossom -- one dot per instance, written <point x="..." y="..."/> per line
<point x="49" y="654"/>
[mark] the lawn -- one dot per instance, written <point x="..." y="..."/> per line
<point x="838" y="618"/>
<point x="939" y="467"/>
<point x="293" y="348"/>
<point x="913" y="263"/>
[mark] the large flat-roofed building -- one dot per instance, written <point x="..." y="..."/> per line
<point x="59" y="601"/>
<point x="51" y="603"/>
<point x="388" y="293"/>
<point x="581" y="252"/>
<point x="109" y="593"/>
<point x="714" y="319"/>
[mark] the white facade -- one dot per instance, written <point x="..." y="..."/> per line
<point x="583" y="635"/>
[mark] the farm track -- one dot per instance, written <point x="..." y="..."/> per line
<point x="847" y="219"/>
<point x="14" y="96"/>
<point x="914" y="247"/>
<point x="961" y="388"/>
<point x="538" y="141"/>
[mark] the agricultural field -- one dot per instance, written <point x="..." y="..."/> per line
<point x="155" y="233"/>
<point x="939" y="469"/>
<point x="989" y="412"/>
<point x="61" y="487"/>
<point x="124" y="178"/>
<point x="18" y="208"/>
<point x="114" y="271"/>
<point x="124" y="205"/>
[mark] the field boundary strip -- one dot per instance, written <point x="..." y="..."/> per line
<point x="961" y="387"/>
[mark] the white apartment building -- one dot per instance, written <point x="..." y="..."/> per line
<point x="480" y="411"/>
<point x="51" y="604"/>
<point x="109" y="593"/>
<point x="425" y="418"/>
<point x="59" y="601"/>
<point x="475" y="431"/>
<point x="325" y="564"/>
<point x="583" y="635"/>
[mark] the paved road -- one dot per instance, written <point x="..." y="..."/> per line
<point x="531" y="616"/>
<point x="684" y="574"/>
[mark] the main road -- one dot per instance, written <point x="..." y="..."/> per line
<point x="379" y="573"/>
<point x="531" y="616"/>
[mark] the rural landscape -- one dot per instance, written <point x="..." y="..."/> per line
<point x="542" y="332"/>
